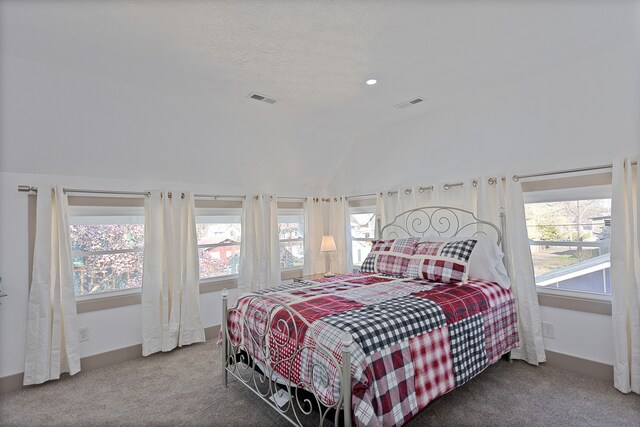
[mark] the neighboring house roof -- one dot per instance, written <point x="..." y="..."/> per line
<point x="574" y="270"/>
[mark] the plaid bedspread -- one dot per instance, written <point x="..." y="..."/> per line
<point x="414" y="340"/>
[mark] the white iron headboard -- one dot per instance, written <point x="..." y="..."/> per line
<point x="439" y="221"/>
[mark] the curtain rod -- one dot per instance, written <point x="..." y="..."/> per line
<point x="560" y="172"/>
<point x="300" y="199"/>
<point x="431" y="187"/>
<point x="29" y="189"/>
<point x="218" y="196"/>
<point x="493" y="180"/>
<point x="358" y="196"/>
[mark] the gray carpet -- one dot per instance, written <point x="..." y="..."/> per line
<point x="183" y="388"/>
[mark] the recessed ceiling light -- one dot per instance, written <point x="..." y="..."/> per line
<point x="371" y="82"/>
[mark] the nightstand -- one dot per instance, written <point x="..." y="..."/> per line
<point x="309" y="277"/>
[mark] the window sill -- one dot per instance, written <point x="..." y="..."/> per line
<point x="108" y="300"/>
<point x="586" y="303"/>
<point x="291" y="273"/>
<point x="216" y="285"/>
<point x="118" y="299"/>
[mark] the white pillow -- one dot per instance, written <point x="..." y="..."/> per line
<point x="485" y="262"/>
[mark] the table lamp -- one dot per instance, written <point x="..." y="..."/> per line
<point x="327" y="246"/>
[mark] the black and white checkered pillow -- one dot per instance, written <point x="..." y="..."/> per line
<point x="459" y="249"/>
<point x="369" y="264"/>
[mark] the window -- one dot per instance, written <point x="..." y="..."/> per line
<point x="570" y="244"/>
<point x="219" y="235"/>
<point x="291" y="235"/>
<point x="363" y="226"/>
<point x="107" y="252"/>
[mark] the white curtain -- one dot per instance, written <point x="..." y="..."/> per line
<point x="486" y="200"/>
<point x="339" y="228"/>
<point x="625" y="276"/>
<point x="314" y="260"/>
<point x="170" y="282"/>
<point x="260" y="245"/>
<point x="519" y="264"/>
<point x="389" y="204"/>
<point x="52" y="332"/>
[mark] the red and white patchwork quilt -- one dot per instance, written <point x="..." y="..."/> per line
<point x="414" y="340"/>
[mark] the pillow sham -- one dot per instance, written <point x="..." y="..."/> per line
<point x="444" y="262"/>
<point x="389" y="256"/>
<point x="485" y="262"/>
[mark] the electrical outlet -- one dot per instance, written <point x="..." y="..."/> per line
<point x="547" y="330"/>
<point x="83" y="334"/>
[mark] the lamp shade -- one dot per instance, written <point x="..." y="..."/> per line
<point x="328" y="244"/>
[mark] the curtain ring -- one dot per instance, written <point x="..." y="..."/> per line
<point x="390" y="193"/>
<point x="407" y="191"/>
<point x="447" y="186"/>
<point x="516" y="178"/>
<point x="492" y="181"/>
<point x="475" y="183"/>
<point x="182" y="195"/>
<point x="381" y="194"/>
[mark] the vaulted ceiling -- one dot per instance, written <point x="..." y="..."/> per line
<point x="159" y="89"/>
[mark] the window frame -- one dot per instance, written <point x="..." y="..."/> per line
<point x="91" y="206"/>
<point x="366" y="206"/>
<point x="569" y="188"/>
<point x="297" y="209"/>
<point x="204" y="207"/>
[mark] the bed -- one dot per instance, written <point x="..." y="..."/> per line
<point x="413" y="325"/>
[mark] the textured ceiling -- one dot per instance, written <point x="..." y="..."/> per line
<point x="312" y="56"/>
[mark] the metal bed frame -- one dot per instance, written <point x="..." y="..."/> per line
<point x="261" y="376"/>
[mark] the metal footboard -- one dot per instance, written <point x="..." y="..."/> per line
<point x="260" y="348"/>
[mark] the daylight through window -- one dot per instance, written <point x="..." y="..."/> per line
<point x="363" y="227"/>
<point x="570" y="244"/>
<point x="219" y="239"/>
<point x="291" y="236"/>
<point x="107" y="253"/>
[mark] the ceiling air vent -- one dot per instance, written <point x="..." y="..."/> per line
<point x="410" y="103"/>
<point x="262" y="98"/>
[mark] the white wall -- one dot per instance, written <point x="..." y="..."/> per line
<point x="585" y="335"/>
<point x="580" y="115"/>
<point x="108" y="329"/>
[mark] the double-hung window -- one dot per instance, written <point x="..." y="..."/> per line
<point x="569" y="232"/>
<point x="363" y="227"/>
<point x="107" y="245"/>
<point x="219" y="233"/>
<point x="291" y="236"/>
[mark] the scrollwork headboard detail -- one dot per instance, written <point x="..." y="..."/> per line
<point x="439" y="221"/>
